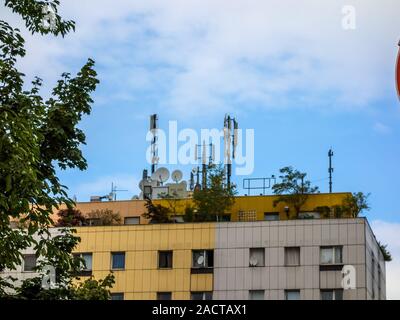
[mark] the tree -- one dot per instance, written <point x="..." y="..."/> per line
<point x="385" y="252"/>
<point x="92" y="289"/>
<point x="106" y="217"/>
<point x="156" y="213"/>
<point x="353" y="205"/>
<point x="215" y="199"/>
<point x="70" y="217"/>
<point x="37" y="136"/>
<point x="293" y="190"/>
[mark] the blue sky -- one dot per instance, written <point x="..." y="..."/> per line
<point x="287" y="69"/>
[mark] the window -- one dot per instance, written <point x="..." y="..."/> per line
<point x="379" y="282"/>
<point x="117" y="260"/>
<point x="250" y="215"/>
<point x="165" y="259"/>
<point x="29" y="262"/>
<point x="271" y="216"/>
<point x="225" y="218"/>
<point x="292" y="294"/>
<point x="256" y="295"/>
<point x="93" y="222"/>
<point x="372" y="265"/>
<point x="117" y="296"/>
<point x="200" y="295"/>
<point x="177" y="219"/>
<point x="331" y="255"/>
<point x="309" y="215"/>
<point x="203" y="258"/>
<point x="292" y="256"/>
<point x="86" y="265"/>
<point x="132" y="220"/>
<point x="164" y="295"/>
<point x="256" y="257"/>
<point x="332" y="294"/>
<point x="202" y="261"/>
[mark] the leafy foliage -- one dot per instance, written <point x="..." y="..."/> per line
<point x="70" y="217"/>
<point x="293" y="190"/>
<point x="33" y="14"/>
<point x="216" y="198"/>
<point x="386" y="254"/>
<point x="37" y="136"/>
<point x="105" y="217"/>
<point x="92" y="289"/>
<point x="156" y="213"/>
<point x="355" y="204"/>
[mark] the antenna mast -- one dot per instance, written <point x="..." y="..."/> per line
<point x="230" y="143"/>
<point x="203" y="158"/>
<point x="154" y="152"/>
<point x="330" y="169"/>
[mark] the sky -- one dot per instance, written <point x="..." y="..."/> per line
<point x="304" y="75"/>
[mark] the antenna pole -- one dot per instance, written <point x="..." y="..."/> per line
<point x="330" y="169"/>
<point x="153" y="129"/>
<point x="230" y="143"/>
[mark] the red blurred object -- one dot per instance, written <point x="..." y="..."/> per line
<point x="398" y="74"/>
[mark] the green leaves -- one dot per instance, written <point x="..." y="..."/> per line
<point x="215" y="199"/>
<point x="35" y="13"/>
<point x="293" y="189"/>
<point x="37" y="137"/>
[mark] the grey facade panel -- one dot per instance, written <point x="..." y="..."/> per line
<point x="234" y="277"/>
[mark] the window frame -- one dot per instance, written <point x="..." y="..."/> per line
<point x="112" y="260"/>
<point x="288" y="291"/>
<point x="120" y="294"/>
<point x="24" y="264"/>
<point x="84" y="271"/>
<point x="286" y="249"/>
<point x="203" y="294"/>
<point x="255" y="250"/>
<point x="334" y="249"/>
<point x="271" y="214"/>
<point x="208" y="266"/>
<point x="166" y="293"/>
<point x="160" y="252"/>
<point x="334" y="294"/>
<point x="131" y="217"/>
<point x="256" y="291"/>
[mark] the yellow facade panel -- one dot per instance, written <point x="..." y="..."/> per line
<point x="201" y="282"/>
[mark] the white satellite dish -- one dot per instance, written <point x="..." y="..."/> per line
<point x="161" y="175"/>
<point x="177" y="175"/>
<point x="253" y="262"/>
<point x="200" y="260"/>
<point x="141" y="183"/>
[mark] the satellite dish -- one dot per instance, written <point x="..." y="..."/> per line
<point x="161" y="175"/>
<point x="177" y="176"/>
<point x="200" y="260"/>
<point x="253" y="262"/>
<point x="141" y="183"/>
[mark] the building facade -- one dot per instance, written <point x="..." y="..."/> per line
<point x="245" y="208"/>
<point x="274" y="260"/>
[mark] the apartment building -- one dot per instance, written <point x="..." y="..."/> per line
<point x="274" y="260"/>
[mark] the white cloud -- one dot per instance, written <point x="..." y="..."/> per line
<point x="215" y="55"/>
<point x="388" y="233"/>
<point x="381" y="128"/>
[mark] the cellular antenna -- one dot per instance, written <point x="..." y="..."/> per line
<point x="202" y="155"/>
<point x="154" y="151"/>
<point x="330" y="169"/>
<point x="230" y="144"/>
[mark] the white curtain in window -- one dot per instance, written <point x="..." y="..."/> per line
<point x="292" y="256"/>
<point x="326" y="255"/>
